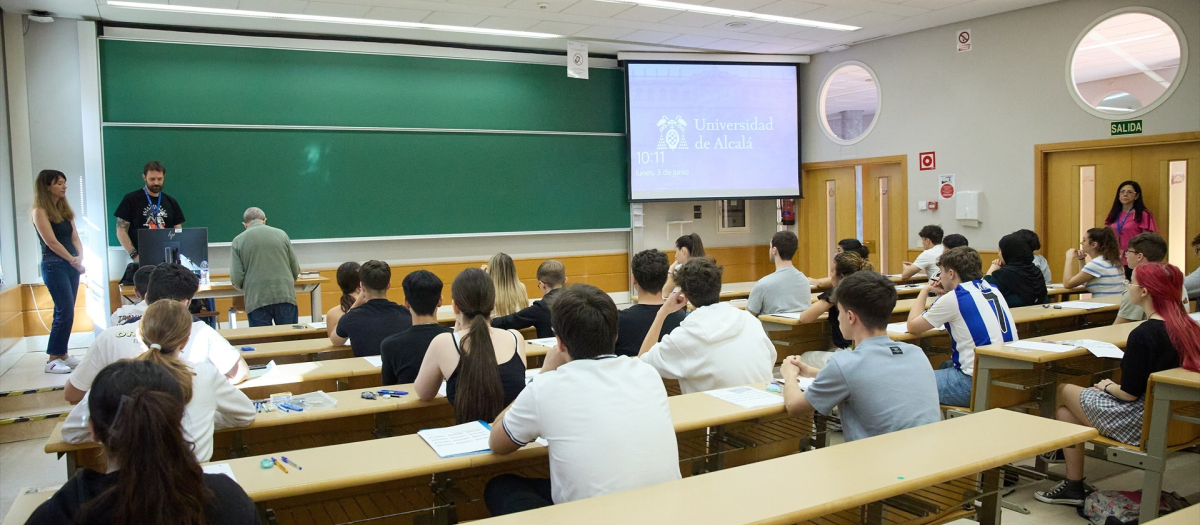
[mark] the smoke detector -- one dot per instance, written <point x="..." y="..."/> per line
<point x="42" y="17"/>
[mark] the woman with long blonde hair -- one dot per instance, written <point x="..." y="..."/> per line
<point x="510" y="291"/>
<point x="62" y="262"/>
<point x="212" y="401"/>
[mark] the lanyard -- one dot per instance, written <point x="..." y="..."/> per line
<point x="154" y="207"/>
<point x="1121" y="224"/>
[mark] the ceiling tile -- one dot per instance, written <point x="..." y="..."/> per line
<point x="831" y="13"/>
<point x="273" y="6"/>
<point x="219" y="4"/>
<point x="740" y="5"/>
<point x="819" y="35"/>
<point x="558" y="28"/>
<point x="693" y="19"/>
<point x="934" y="4"/>
<point x="870" y="20"/>
<point x="552" y="6"/>
<point x="327" y="9"/>
<point x="731" y="45"/>
<point x="690" y="41"/>
<point x="777" y="30"/>
<point x="649" y="37"/>
<point x="399" y="15"/>
<point x="645" y="14"/>
<point x="511" y="24"/>
<point x="787" y="8"/>
<point x="745" y="24"/>
<point x="767" y="48"/>
<point x="453" y="19"/>
<point x="484" y="3"/>
<point x="596" y="9"/>
<point x="603" y="32"/>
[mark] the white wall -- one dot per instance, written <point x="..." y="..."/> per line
<point x="653" y="235"/>
<point x="982" y="111"/>
<point x="8" y="228"/>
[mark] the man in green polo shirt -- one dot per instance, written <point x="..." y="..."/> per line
<point x="265" y="268"/>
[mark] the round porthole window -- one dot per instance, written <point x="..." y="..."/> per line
<point x="1126" y="63"/>
<point x="849" y="102"/>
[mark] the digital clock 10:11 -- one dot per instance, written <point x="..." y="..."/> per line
<point x="651" y="157"/>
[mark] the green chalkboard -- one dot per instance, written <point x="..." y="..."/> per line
<point x="321" y="183"/>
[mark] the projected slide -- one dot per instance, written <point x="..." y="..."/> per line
<point x="709" y="131"/>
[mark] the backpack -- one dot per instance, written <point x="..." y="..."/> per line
<point x="1112" y="506"/>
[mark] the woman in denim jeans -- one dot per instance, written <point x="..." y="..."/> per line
<point x="62" y="263"/>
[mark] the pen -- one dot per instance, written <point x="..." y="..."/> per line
<point x="393" y="392"/>
<point x="289" y="462"/>
<point x="280" y="465"/>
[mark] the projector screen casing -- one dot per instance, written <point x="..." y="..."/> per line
<point x="715" y="194"/>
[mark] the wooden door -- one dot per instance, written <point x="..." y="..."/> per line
<point x="1153" y="165"/>
<point x="827" y="215"/>
<point x="885" y="215"/>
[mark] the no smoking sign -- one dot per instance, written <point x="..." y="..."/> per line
<point x="964" y="40"/>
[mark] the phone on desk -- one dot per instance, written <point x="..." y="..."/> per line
<point x="258" y="367"/>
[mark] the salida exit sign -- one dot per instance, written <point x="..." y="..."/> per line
<point x="1125" y="127"/>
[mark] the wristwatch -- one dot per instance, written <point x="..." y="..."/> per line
<point x="133" y="254"/>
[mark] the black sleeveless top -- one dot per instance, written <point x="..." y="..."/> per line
<point x="512" y="374"/>
<point x="62" y="232"/>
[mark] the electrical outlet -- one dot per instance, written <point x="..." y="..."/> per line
<point x="696" y="211"/>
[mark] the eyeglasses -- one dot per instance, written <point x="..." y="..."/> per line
<point x="1127" y="192"/>
<point x="1130" y="283"/>
<point x="1131" y="250"/>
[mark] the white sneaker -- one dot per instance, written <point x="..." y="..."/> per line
<point x="57" y="366"/>
<point x="71" y="361"/>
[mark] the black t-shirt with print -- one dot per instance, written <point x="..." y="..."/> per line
<point x="143" y="212"/>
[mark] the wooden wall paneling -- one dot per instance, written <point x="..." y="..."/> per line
<point x="1154" y="163"/>
<point x="38" y="310"/>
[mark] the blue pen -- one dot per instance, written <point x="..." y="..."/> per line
<point x="393" y="392"/>
<point x="247" y="348"/>
<point x="289" y="462"/>
<point x="292" y="408"/>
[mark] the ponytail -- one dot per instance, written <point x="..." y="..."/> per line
<point x="347" y="280"/>
<point x="847" y="263"/>
<point x="136" y="412"/>
<point x="166" y="327"/>
<point x="1164" y="283"/>
<point x="480" y="393"/>
<point x="692" y="242"/>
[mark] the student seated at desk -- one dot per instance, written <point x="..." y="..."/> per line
<point x="686" y="247"/>
<point x="785" y="290"/>
<point x="403" y="353"/>
<point x="931" y="242"/>
<point x="1192" y="281"/>
<point x="511" y="296"/>
<point x="1102" y="272"/>
<point x="1165" y="341"/>
<point x="717" y="345"/>
<point x="212" y="403"/>
<point x="169" y="282"/>
<point x="1015" y="275"/>
<point x="372" y="317"/>
<point x="649" y="268"/>
<point x="129" y="313"/>
<point x="845" y="245"/>
<point x="605" y="417"/>
<point x="882" y="386"/>
<point x="551" y="276"/>
<point x="1035" y="244"/>
<point x="483" y="367"/>
<point x="153" y="477"/>
<point x="347" y="280"/>
<point x="974" y="314"/>
<point x="1147" y="247"/>
<point x="844" y="265"/>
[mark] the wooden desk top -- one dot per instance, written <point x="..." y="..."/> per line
<point x="28" y="500"/>
<point x="903" y="306"/>
<point x="273" y="333"/>
<point x="825" y="480"/>
<point x="1177" y="376"/>
<point x="1115" y="334"/>
<point x="314" y="371"/>
<point x="380" y="460"/>
<point x="288" y="348"/>
<point x="1030" y="314"/>
<point x="221" y="286"/>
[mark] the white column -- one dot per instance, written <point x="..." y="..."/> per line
<point x="28" y="251"/>
<point x="93" y="228"/>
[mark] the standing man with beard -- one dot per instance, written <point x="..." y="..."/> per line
<point x="146" y="208"/>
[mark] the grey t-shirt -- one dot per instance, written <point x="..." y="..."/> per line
<point x="1044" y="266"/>
<point x="786" y="290"/>
<point x="881" y="386"/>
<point x="1133" y="312"/>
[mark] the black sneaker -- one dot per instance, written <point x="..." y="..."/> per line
<point x="1065" y="493"/>
<point x="1053" y="457"/>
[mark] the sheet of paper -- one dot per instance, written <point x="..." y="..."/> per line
<point x="902" y="328"/>
<point x="805" y="382"/>
<point x="458" y="440"/>
<point x="1099" y="348"/>
<point x="1040" y="347"/>
<point x="739" y="301"/>
<point x="747" y="397"/>
<point x="442" y="390"/>
<point x="219" y="468"/>
<point x="220" y="283"/>
<point x="321" y="325"/>
<point x="788" y="315"/>
<point x="1052" y="286"/>
<point x="1081" y="305"/>
<point x="376" y="360"/>
<point x="545" y="341"/>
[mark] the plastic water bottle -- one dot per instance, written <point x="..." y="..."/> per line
<point x="204" y="273"/>
<point x="232" y="317"/>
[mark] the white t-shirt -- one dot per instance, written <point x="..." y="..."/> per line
<point x="215" y="404"/>
<point x="927" y="261"/>
<point x="1108" y="278"/>
<point x="607" y="423"/>
<point x="975" y="314"/>
<point x="128" y="314"/>
<point x="125" y="342"/>
<point x="716" y="346"/>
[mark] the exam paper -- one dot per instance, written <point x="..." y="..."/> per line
<point x="376" y="360"/>
<point x="805" y="382"/>
<point x="788" y="315"/>
<point x="323" y="325"/>
<point x="458" y="440"/>
<point x="747" y="397"/>
<point x="219" y="468"/>
<point x="902" y="328"/>
<point x="545" y="341"/>
<point x="1041" y="347"/>
<point x="1099" y="348"/>
<point x="1081" y="305"/>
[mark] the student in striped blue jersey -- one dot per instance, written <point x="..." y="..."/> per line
<point x="972" y="311"/>
<point x="1102" y="272"/>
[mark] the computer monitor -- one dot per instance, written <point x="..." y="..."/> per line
<point x="186" y="246"/>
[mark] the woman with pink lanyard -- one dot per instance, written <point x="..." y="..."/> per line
<point x="1129" y="217"/>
